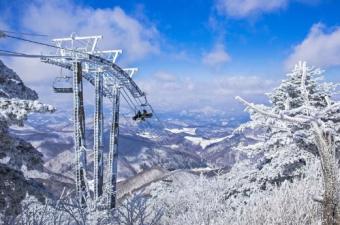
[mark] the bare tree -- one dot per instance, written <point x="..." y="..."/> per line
<point x="135" y="210"/>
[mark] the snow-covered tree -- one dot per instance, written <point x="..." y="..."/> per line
<point x="15" y="111"/>
<point x="17" y="156"/>
<point x="303" y="116"/>
<point x="190" y="199"/>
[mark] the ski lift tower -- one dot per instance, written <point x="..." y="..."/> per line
<point x="80" y="55"/>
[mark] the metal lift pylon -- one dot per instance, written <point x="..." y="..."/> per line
<point x="80" y="55"/>
<point x="98" y="138"/>
<point x="99" y="68"/>
<point x="113" y="151"/>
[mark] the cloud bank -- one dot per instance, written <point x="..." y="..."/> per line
<point x="240" y="9"/>
<point x="171" y="92"/>
<point x="321" y="47"/>
<point x="245" y="8"/>
<point x="120" y="30"/>
<point x="217" y="56"/>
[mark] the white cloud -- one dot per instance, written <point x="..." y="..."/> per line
<point x="245" y="8"/>
<point x="217" y="56"/>
<point x="60" y="18"/>
<point x="319" y="48"/>
<point x="3" y="25"/>
<point x="170" y="92"/>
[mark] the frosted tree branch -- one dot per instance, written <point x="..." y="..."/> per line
<point x="272" y="115"/>
<point x="16" y="110"/>
<point x="304" y="91"/>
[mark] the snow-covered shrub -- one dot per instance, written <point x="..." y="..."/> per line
<point x="14" y="111"/>
<point x="204" y="201"/>
<point x="135" y="210"/>
<point x="35" y="212"/>
<point x="290" y="203"/>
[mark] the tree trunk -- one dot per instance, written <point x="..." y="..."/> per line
<point x="326" y="148"/>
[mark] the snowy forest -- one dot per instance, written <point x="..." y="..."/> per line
<point x="221" y="112"/>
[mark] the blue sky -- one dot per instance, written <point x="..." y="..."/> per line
<point x="194" y="54"/>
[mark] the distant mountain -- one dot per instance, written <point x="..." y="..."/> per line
<point x="140" y="147"/>
<point x="180" y="142"/>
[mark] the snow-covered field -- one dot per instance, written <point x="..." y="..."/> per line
<point x="187" y="130"/>
<point x="148" y="135"/>
<point x="204" y="143"/>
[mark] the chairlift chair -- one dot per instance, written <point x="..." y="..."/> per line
<point x="146" y="114"/>
<point x="137" y="116"/>
<point x="63" y="84"/>
<point x="142" y="115"/>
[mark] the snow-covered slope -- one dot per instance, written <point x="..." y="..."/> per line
<point x="139" y="148"/>
<point x="187" y="130"/>
<point x="204" y="142"/>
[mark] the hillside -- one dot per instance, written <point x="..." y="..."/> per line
<point x="20" y="162"/>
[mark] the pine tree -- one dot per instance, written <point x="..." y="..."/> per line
<point x="302" y="111"/>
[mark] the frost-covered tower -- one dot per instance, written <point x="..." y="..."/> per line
<point x="81" y="56"/>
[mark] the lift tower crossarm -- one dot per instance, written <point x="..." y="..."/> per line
<point x="120" y="74"/>
<point x="77" y="38"/>
<point x="131" y="71"/>
<point x="98" y="137"/>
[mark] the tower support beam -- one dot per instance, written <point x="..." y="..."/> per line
<point x="98" y="137"/>
<point x="113" y="154"/>
<point x="79" y="132"/>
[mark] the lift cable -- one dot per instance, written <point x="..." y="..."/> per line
<point x="36" y="42"/>
<point x="18" y="54"/>
<point x="44" y="44"/>
<point x="127" y="95"/>
<point x="132" y="107"/>
<point x="24" y="33"/>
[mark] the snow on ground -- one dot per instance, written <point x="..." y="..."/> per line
<point x="34" y="173"/>
<point x="173" y="146"/>
<point x="91" y="184"/>
<point x="5" y="160"/>
<point x="147" y="135"/>
<point x="204" y="169"/>
<point x="204" y="142"/>
<point x="187" y="130"/>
